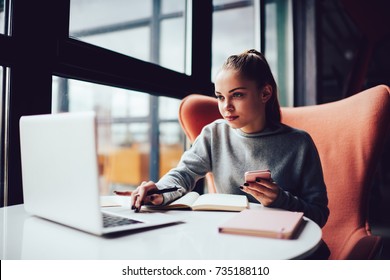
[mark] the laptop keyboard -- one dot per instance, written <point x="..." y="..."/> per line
<point x="114" y="221"/>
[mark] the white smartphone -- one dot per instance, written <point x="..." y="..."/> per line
<point x="250" y="176"/>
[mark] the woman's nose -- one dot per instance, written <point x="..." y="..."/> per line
<point x="228" y="106"/>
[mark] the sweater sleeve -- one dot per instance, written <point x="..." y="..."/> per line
<point x="312" y="197"/>
<point x="193" y="165"/>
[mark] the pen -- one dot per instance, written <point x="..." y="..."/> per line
<point x="156" y="191"/>
<point x="161" y="191"/>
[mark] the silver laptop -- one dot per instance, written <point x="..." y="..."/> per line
<point x="60" y="176"/>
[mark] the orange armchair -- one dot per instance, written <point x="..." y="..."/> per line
<point x="349" y="135"/>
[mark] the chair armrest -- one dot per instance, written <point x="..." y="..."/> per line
<point x="362" y="246"/>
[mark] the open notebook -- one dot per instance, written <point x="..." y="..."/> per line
<point x="60" y="176"/>
<point x="209" y="201"/>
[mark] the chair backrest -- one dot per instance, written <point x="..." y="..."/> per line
<point x="349" y="135"/>
<point x="195" y="112"/>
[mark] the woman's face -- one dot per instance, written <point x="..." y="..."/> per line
<point x="240" y="101"/>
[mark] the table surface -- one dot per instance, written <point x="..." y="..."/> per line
<point x="28" y="237"/>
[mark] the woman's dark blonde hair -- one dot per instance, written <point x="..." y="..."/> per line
<point x="252" y="65"/>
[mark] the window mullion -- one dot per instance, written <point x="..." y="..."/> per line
<point x="154" y="125"/>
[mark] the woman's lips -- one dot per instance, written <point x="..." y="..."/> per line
<point x="231" y="118"/>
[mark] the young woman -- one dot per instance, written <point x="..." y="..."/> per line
<point x="249" y="137"/>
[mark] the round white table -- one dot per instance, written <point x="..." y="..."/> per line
<point x="197" y="238"/>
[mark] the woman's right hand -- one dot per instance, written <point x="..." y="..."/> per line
<point x="264" y="191"/>
<point x="139" y="196"/>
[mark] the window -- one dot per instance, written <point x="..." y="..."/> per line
<point x="153" y="31"/>
<point x="2" y="17"/>
<point x="4" y="55"/>
<point x="150" y="30"/>
<point x="5" y="16"/>
<point x="242" y="18"/>
<point x="3" y="153"/>
<point x="231" y="17"/>
<point x="2" y="101"/>
<point x="279" y="53"/>
<point x="134" y="129"/>
<point x="1" y="89"/>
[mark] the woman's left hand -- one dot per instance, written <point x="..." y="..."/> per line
<point x="265" y="191"/>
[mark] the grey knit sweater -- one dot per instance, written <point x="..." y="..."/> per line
<point x="289" y="153"/>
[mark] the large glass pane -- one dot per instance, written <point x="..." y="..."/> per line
<point x="233" y="32"/>
<point x="1" y="110"/>
<point x="279" y="47"/>
<point x="171" y="136"/>
<point x="168" y="108"/>
<point x="172" y="6"/>
<point x="94" y="14"/>
<point x="224" y="2"/>
<point x="3" y="141"/>
<point x="125" y="127"/>
<point x="2" y="17"/>
<point x="171" y="146"/>
<point x="2" y="106"/>
<point x="123" y="42"/>
<point x="150" y="30"/>
<point x="1" y="86"/>
<point x="172" y="50"/>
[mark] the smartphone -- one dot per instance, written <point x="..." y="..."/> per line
<point x="250" y="176"/>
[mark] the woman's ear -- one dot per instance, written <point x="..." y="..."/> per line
<point x="266" y="93"/>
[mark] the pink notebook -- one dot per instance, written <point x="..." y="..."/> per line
<point x="264" y="223"/>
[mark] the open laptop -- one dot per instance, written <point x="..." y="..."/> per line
<point x="61" y="180"/>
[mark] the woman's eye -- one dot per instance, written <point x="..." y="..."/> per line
<point x="238" y="94"/>
<point x="219" y="97"/>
